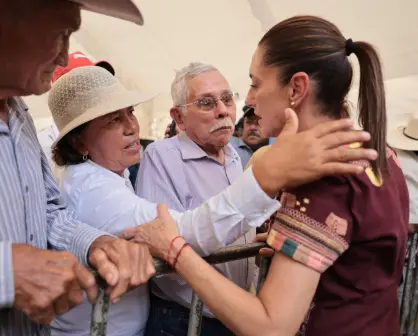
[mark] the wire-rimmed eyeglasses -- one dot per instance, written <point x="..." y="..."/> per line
<point x="210" y="103"/>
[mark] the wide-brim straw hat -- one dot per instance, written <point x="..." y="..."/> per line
<point x="403" y="136"/>
<point x="121" y="9"/>
<point x="87" y="93"/>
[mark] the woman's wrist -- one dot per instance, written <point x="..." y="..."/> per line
<point x="176" y="245"/>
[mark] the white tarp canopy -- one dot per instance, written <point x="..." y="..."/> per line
<point x="225" y="34"/>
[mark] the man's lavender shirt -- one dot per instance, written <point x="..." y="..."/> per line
<point x="179" y="173"/>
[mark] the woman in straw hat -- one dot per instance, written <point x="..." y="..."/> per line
<point x="99" y="140"/>
<point x="339" y="242"/>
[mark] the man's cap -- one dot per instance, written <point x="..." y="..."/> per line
<point x="78" y="59"/>
<point x="240" y="123"/>
<point x="121" y="9"/>
<point x="248" y="111"/>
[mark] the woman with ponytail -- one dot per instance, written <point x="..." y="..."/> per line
<point x="339" y="243"/>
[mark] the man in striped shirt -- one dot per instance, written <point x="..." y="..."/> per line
<point x="36" y="283"/>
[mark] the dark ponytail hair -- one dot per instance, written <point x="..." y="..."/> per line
<point x="371" y="101"/>
<point x="316" y="46"/>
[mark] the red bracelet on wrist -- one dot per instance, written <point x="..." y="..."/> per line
<point x="178" y="255"/>
<point x="167" y="259"/>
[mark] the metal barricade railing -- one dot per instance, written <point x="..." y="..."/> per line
<point x="407" y="293"/>
<point x="230" y="253"/>
<point x="408" y="290"/>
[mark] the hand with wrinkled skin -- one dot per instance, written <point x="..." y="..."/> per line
<point x="157" y="234"/>
<point x="123" y="265"/>
<point x="48" y="283"/>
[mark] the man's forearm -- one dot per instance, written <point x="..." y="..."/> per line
<point x="68" y="234"/>
<point x="7" y="290"/>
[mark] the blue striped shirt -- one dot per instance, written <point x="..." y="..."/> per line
<point x="31" y="212"/>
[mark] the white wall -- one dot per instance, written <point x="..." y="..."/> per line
<point x="225" y="33"/>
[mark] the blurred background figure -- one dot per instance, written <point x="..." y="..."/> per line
<point x="251" y="138"/>
<point x="404" y="139"/>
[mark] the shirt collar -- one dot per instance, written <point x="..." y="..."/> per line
<point x="112" y="174"/>
<point x="17" y="105"/>
<point x="240" y="143"/>
<point x="190" y="150"/>
<point x="18" y="115"/>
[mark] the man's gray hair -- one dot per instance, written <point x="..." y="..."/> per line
<point x="179" y="87"/>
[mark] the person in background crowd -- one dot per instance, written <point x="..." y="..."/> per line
<point x="340" y="241"/>
<point x="183" y="172"/>
<point x="37" y="284"/>
<point x="168" y="131"/>
<point x="48" y="135"/>
<point x="404" y="138"/>
<point x="251" y="139"/>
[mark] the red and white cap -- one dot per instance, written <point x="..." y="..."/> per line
<point x="76" y="60"/>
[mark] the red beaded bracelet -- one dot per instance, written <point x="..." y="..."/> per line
<point x="167" y="259"/>
<point x="178" y="255"/>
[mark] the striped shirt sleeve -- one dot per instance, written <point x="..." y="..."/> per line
<point x="65" y="233"/>
<point x="314" y="223"/>
<point x="7" y="290"/>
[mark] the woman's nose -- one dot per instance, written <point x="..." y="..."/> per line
<point x="249" y="100"/>
<point x="131" y="126"/>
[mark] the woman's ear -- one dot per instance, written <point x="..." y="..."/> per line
<point x="298" y="89"/>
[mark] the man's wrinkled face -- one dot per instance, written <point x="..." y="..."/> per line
<point x="214" y="126"/>
<point x="35" y="43"/>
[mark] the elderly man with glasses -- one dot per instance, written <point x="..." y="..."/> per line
<point x="183" y="172"/>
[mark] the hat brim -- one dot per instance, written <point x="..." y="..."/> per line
<point x="112" y="104"/>
<point x="121" y="9"/>
<point x="397" y="139"/>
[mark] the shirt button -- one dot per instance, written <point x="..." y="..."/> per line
<point x="27" y="189"/>
<point x="31" y="237"/>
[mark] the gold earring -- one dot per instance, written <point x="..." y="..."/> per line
<point x="292" y="103"/>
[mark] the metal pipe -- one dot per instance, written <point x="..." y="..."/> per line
<point x="222" y="255"/>
<point x="195" y="316"/>
<point x="410" y="279"/>
<point x="100" y="310"/>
